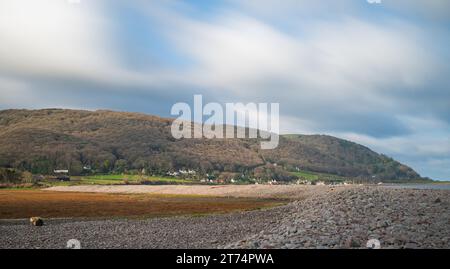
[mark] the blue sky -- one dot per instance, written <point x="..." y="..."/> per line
<point x="376" y="74"/>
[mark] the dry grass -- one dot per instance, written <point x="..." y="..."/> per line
<point x="48" y="204"/>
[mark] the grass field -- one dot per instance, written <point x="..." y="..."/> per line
<point x="47" y="204"/>
<point x="312" y="176"/>
<point x="306" y="175"/>
<point x="117" y="179"/>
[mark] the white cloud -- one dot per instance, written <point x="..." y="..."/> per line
<point x="295" y="8"/>
<point x="347" y="60"/>
<point x="13" y="93"/>
<point x="430" y="9"/>
<point x="427" y="149"/>
<point x="56" y="39"/>
<point x="51" y="37"/>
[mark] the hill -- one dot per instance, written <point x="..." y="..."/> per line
<point x="105" y="141"/>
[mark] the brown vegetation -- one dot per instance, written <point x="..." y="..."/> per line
<point x="26" y="203"/>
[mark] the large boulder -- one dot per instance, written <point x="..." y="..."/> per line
<point x="36" y="221"/>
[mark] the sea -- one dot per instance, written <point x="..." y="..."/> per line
<point x="435" y="186"/>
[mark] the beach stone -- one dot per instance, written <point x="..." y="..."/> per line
<point x="36" y="221"/>
<point x="353" y="243"/>
<point x="411" y="245"/>
<point x="345" y="218"/>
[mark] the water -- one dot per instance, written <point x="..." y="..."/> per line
<point x="419" y="186"/>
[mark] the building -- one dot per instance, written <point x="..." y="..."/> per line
<point x="61" y="174"/>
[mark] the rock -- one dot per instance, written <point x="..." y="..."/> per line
<point x="411" y="245"/>
<point x="352" y="243"/>
<point x="36" y="221"/>
<point x="292" y="230"/>
<point x="437" y="201"/>
<point x="390" y="241"/>
<point x="382" y="224"/>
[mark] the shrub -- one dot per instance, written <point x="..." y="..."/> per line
<point x="8" y="175"/>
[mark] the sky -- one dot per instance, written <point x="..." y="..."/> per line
<point x="374" y="73"/>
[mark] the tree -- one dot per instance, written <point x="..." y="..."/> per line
<point x="121" y="166"/>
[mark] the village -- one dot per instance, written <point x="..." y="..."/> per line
<point x="186" y="176"/>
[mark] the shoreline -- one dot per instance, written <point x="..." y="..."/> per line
<point x="292" y="192"/>
<point x="332" y="219"/>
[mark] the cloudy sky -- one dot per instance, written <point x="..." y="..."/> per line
<point x="377" y="74"/>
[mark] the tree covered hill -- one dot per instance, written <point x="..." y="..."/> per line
<point x="105" y="141"/>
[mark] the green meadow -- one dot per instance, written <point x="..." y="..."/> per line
<point x="314" y="177"/>
<point x="118" y="179"/>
